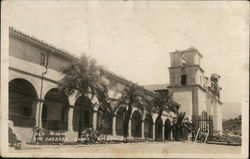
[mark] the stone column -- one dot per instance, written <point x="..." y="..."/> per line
<point x="114" y="125"/>
<point x="39" y="110"/>
<point x="153" y="131"/>
<point x="70" y="118"/>
<point x="129" y="128"/>
<point x="70" y="133"/>
<point x="163" y="132"/>
<point x="171" y="135"/>
<point x="37" y="113"/>
<point x="40" y="116"/>
<point x="142" y="129"/>
<point x="71" y="136"/>
<point x="95" y="119"/>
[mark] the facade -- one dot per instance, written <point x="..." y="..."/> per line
<point x="34" y="100"/>
<point x="191" y="89"/>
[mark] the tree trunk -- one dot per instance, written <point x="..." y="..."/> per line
<point x="101" y="120"/>
<point x="176" y="134"/>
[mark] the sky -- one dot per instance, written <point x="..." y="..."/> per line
<point x="133" y="39"/>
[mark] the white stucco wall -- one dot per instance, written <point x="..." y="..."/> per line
<point x="216" y="115"/>
<point x="185" y="100"/>
<point x="219" y="117"/>
<point x="202" y="106"/>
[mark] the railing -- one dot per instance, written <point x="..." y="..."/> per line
<point x="203" y="123"/>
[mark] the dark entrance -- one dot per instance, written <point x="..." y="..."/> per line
<point x="158" y="128"/>
<point x="83" y="114"/>
<point x="136" y="124"/>
<point x="167" y="129"/>
<point x="55" y="110"/>
<point x="22" y="103"/>
<point x="105" y="120"/>
<point x="148" y="126"/>
<point x="119" y="120"/>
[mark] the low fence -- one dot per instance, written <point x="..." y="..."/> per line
<point x="204" y="124"/>
<point x="204" y="131"/>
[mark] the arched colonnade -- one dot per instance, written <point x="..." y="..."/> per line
<point x="56" y="111"/>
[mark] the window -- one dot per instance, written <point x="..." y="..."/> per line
<point x="183" y="79"/>
<point x="42" y="59"/>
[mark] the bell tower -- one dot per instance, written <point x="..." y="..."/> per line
<point x="186" y="79"/>
<point x="185" y="68"/>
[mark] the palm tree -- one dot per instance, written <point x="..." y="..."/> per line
<point x="132" y="95"/>
<point x="105" y="106"/>
<point x="181" y="125"/>
<point x="84" y="78"/>
<point x="163" y="101"/>
<point x="160" y="102"/>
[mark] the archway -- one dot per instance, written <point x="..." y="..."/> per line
<point x="83" y="114"/>
<point x="120" y="116"/>
<point x="55" y="110"/>
<point x="158" y="128"/>
<point x="22" y="103"/>
<point x="148" y="126"/>
<point x="136" y="124"/>
<point x="167" y="130"/>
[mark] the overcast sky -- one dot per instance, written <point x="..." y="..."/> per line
<point x="133" y="39"/>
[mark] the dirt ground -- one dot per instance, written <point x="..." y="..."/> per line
<point x="152" y="149"/>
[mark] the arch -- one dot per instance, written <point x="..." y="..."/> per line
<point x="136" y="124"/>
<point x="22" y="102"/>
<point x="55" y="110"/>
<point x="106" y="123"/>
<point x="120" y="116"/>
<point x="135" y="109"/>
<point x="148" y="126"/>
<point x="167" y="129"/>
<point x="32" y="80"/>
<point x="158" y="128"/>
<point x="83" y="114"/>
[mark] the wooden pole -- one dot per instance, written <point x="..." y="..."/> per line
<point x="196" y="136"/>
<point x="206" y="136"/>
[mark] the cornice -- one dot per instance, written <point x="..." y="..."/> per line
<point x="188" y="50"/>
<point x="180" y="67"/>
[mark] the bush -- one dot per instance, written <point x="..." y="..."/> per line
<point x="88" y="136"/>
